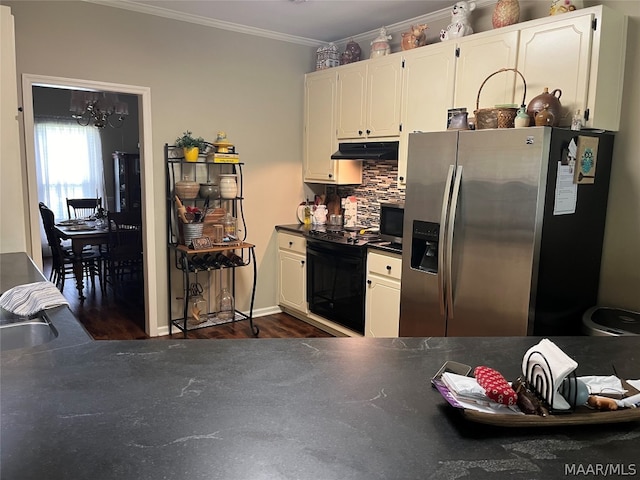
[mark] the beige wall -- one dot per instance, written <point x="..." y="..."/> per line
<point x="202" y="79"/>
<point x="620" y="276"/>
<point x="13" y="220"/>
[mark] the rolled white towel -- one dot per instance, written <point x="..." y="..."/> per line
<point x="30" y="298"/>
<point x="545" y="366"/>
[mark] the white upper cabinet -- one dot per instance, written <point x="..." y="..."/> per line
<point x="427" y="91"/>
<point x="320" y="140"/>
<point x="480" y="56"/>
<point x="369" y="96"/>
<point x="582" y="54"/>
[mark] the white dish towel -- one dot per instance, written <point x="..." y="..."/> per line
<point x="30" y="298"/>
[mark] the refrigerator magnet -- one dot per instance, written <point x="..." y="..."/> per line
<point x="586" y="159"/>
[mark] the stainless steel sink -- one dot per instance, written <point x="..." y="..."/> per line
<point x="24" y="333"/>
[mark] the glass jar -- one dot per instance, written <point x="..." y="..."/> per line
<point x="226" y="305"/>
<point x="229" y="224"/>
<point x="228" y="185"/>
<point x="197" y="310"/>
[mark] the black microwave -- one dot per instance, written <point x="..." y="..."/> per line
<point x="391" y="220"/>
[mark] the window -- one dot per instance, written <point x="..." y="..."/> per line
<point x="68" y="162"/>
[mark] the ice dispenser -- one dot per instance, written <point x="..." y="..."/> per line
<point x="424" y="246"/>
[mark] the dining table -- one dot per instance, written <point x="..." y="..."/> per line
<point x="81" y="234"/>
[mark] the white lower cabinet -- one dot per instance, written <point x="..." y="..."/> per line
<point x="382" y="310"/>
<point x="292" y="272"/>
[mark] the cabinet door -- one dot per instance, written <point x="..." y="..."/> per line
<point x="557" y="56"/>
<point x="292" y="280"/>
<point x="382" y="314"/>
<point x="479" y="58"/>
<point x="351" y="109"/>
<point x="384" y="87"/>
<point x="427" y="93"/>
<point x="319" y="129"/>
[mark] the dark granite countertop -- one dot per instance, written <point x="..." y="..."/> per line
<point x="326" y="408"/>
<point x="304" y="230"/>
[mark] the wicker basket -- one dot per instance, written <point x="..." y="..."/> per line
<point x="497" y="117"/>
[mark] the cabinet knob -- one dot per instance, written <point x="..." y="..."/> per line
<point x="301" y="262"/>
<point x="368" y="132"/>
<point x="360" y="132"/>
<point x="291" y="244"/>
<point x="330" y="175"/>
<point x="401" y="179"/>
<point x="368" y="282"/>
<point x="388" y="268"/>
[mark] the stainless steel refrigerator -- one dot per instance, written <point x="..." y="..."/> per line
<point x="503" y="231"/>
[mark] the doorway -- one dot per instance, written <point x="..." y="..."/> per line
<point x="143" y="96"/>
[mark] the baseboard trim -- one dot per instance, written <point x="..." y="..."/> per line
<point x="259" y="312"/>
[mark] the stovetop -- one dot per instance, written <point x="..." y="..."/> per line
<point x="341" y="236"/>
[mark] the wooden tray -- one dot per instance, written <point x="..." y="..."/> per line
<point x="579" y="417"/>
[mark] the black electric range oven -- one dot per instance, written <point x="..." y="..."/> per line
<point x="336" y="271"/>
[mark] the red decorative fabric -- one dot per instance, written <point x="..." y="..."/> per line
<point x="495" y="385"/>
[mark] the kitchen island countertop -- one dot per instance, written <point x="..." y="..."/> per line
<point x="325" y="408"/>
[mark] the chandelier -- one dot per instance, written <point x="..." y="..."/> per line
<point x="98" y="109"/>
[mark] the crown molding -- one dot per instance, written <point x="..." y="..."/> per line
<point x="443" y="14"/>
<point x="207" y="22"/>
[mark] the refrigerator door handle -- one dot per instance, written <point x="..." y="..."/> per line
<point x="449" y="245"/>
<point x="441" y="238"/>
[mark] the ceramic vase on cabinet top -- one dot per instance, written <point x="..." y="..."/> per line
<point x="380" y="45"/>
<point x="544" y="118"/>
<point x="506" y="12"/>
<point x="351" y="53"/>
<point x="551" y="100"/>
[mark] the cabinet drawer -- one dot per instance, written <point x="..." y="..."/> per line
<point x="296" y="243"/>
<point x="385" y="265"/>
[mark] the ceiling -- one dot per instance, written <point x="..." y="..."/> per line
<point x="309" y="22"/>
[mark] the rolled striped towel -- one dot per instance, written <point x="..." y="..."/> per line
<point x="30" y="298"/>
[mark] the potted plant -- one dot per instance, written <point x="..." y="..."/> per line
<point x="190" y="145"/>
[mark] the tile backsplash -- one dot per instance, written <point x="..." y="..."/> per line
<point x="379" y="184"/>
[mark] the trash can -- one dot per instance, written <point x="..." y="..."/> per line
<point x="607" y="321"/>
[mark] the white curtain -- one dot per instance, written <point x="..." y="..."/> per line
<point x="68" y="162"/>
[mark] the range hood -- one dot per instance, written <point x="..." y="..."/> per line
<point x="367" y="151"/>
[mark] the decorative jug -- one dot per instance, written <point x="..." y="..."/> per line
<point x="522" y="118"/>
<point x="544" y="118"/>
<point x="552" y="100"/>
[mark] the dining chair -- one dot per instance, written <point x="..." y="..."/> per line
<point x="83" y="207"/>
<point x="63" y="258"/>
<point x="123" y="256"/>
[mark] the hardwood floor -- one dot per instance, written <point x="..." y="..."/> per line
<point x="107" y="319"/>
